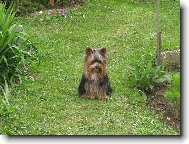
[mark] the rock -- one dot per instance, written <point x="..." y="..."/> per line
<point x="172" y="57"/>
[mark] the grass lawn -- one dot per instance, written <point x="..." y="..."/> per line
<point x="173" y="93"/>
<point x="47" y="101"/>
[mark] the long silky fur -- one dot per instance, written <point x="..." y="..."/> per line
<point x="104" y="82"/>
<point x="81" y="88"/>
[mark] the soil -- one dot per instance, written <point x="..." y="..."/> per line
<point x="163" y="108"/>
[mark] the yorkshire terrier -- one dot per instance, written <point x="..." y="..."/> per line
<point x="95" y="82"/>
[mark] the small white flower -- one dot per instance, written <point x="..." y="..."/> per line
<point x="168" y="118"/>
<point x="40" y="12"/>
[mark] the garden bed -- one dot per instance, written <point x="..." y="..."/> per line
<point x="163" y="107"/>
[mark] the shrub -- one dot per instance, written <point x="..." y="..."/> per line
<point x="31" y="6"/>
<point x="145" y="76"/>
<point x="16" y="50"/>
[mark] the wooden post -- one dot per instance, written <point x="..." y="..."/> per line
<point x="158" y="34"/>
<point x="17" y="6"/>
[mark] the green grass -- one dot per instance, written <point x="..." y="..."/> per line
<point x="47" y="101"/>
<point x="173" y="93"/>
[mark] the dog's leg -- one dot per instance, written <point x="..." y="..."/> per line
<point x="108" y="86"/>
<point x="81" y="88"/>
<point x="102" y="93"/>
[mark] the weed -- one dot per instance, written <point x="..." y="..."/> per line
<point x="145" y="76"/>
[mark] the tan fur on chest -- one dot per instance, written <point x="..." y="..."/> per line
<point x="94" y="90"/>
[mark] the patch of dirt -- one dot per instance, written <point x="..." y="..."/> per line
<point x="163" y="108"/>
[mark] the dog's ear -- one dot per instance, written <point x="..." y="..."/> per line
<point x="88" y="51"/>
<point x="103" y="51"/>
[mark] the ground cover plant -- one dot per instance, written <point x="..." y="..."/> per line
<point x="46" y="102"/>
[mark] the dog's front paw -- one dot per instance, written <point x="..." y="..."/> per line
<point x="103" y="98"/>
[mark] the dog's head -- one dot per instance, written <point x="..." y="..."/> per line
<point x="95" y="63"/>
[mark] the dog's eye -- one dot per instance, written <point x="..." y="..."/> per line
<point x="94" y="61"/>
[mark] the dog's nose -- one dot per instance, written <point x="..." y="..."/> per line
<point x="96" y="66"/>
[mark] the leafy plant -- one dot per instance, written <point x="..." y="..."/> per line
<point x="16" y="49"/>
<point x="145" y="76"/>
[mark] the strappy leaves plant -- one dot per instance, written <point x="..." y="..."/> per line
<point x="15" y="48"/>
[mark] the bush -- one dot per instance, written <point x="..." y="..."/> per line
<point x="31" y="6"/>
<point x="16" y="50"/>
<point x="145" y="76"/>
